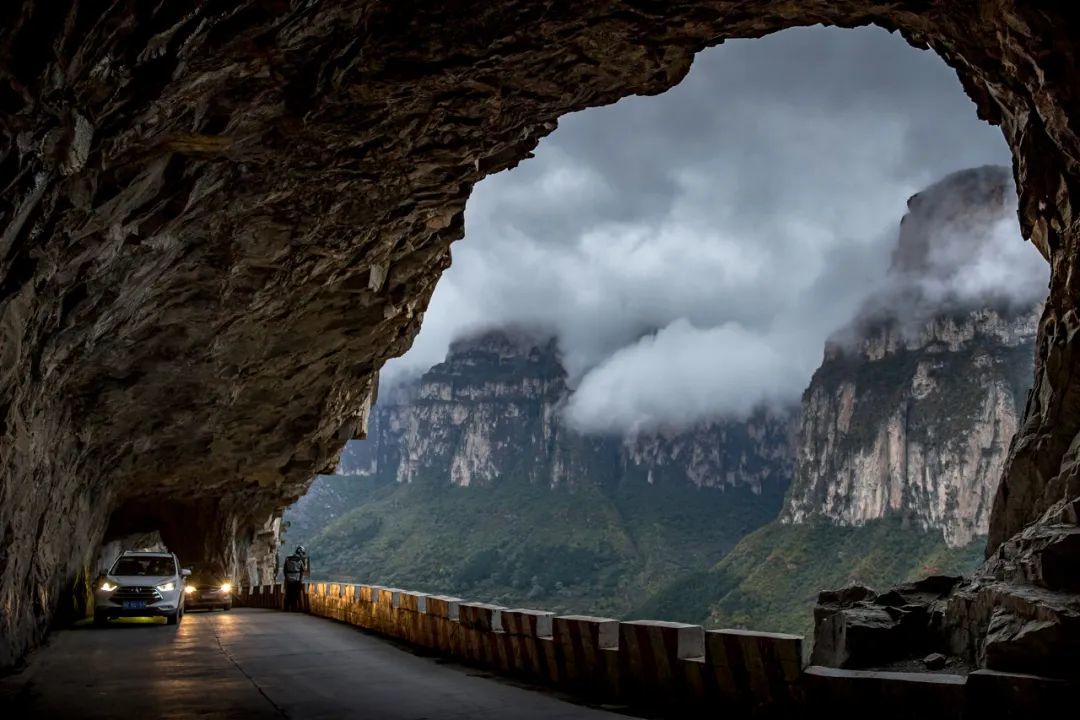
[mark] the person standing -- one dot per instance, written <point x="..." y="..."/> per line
<point x="297" y="570"/>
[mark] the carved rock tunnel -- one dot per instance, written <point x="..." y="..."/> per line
<point x="217" y="223"/>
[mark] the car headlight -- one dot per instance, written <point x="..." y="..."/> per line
<point x="167" y="587"/>
<point x="107" y="586"/>
<point x="189" y="589"/>
<point x="226" y="587"/>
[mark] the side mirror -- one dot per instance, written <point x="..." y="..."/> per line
<point x="185" y="572"/>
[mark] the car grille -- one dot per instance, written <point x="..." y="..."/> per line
<point x="149" y="593"/>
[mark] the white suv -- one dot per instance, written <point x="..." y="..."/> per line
<point x="141" y="584"/>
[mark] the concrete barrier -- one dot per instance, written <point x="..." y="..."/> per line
<point x="524" y="632"/>
<point x="650" y="652"/>
<point x="753" y="670"/>
<point x="444" y="606"/>
<point x="412" y="601"/>
<point x="579" y="642"/>
<point x="678" y="668"/>
<point x="269" y="597"/>
<point x="441" y="617"/>
<point x="849" y="693"/>
<point x="992" y="694"/>
<point x="480" y="616"/>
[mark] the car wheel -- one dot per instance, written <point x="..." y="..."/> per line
<point x="227" y="608"/>
<point x="101" y="619"/>
<point x="173" y="618"/>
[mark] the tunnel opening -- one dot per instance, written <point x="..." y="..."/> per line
<point x="816" y="193"/>
<point x="254" y="314"/>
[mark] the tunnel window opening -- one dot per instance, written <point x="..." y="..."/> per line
<point x="709" y="353"/>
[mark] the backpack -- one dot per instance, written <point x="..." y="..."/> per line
<point x="294" y="566"/>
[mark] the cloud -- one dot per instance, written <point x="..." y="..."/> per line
<point x="746" y="214"/>
<point x="959" y="247"/>
<point x="683" y="371"/>
<point x="1004" y="266"/>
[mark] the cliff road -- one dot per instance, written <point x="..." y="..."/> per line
<point x="219" y="219"/>
<point x="256" y="664"/>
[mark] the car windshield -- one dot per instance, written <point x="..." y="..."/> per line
<point x="204" y="572"/>
<point x="149" y="566"/>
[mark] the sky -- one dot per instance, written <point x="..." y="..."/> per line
<point x="693" y="251"/>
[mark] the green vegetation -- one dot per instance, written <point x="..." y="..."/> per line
<point x="337" y="496"/>
<point x="771" y="579"/>
<point x="596" y="549"/>
<point x="603" y="550"/>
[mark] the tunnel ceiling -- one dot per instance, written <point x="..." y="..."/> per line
<point x="217" y="224"/>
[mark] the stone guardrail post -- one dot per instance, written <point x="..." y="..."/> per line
<point x="530" y="644"/>
<point x="442" y="613"/>
<point x="412" y="606"/>
<point x="650" y="654"/>
<point x="751" y="670"/>
<point x="481" y="627"/>
<point x="587" y="653"/>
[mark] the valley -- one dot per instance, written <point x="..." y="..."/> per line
<point x="473" y="481"/>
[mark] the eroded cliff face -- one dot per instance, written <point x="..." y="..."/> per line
<point x="472" y="480"/>
<point x="494" y="411"/>
<point x="916" y="402"/>
<point x="916" y="426"/>
<point x="219" y="220"/>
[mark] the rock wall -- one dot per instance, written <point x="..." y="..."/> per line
<point x="914" y="425"/>
<point x="219" y="220"/>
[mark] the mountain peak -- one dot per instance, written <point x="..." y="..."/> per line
<point x="951" y="220"/>
<point x="959" y="259"/>
<point x="505" y="342"/>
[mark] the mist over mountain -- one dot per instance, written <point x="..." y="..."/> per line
<point x="472" y="481"/>
<point x="683" y="247"/>
<point x="957" y="250"/>
<point x="904" y="427"/>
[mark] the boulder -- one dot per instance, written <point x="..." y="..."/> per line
<point x="935" y="661"/>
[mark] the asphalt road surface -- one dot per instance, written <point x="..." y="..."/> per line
<point x="259" y="664"/>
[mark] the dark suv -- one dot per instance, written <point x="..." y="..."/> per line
<point x="208" y="588"/>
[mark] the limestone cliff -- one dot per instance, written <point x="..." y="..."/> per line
<point x="494" y="410"/>
<point x="914" y="426"/>
<point x="915" y="405"/>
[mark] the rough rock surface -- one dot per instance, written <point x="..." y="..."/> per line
<point x="859" y="628"/>
<point x="920" y="430"/>
<point x="219" y="219"/>
<point x="913" y="409"/>
<point x="1021" y="613"/>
